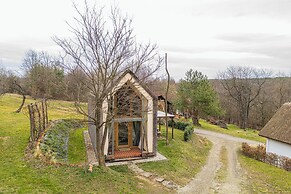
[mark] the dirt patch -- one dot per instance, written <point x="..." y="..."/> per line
<point x="200" y="184"/>
<point x="4" y="139"/>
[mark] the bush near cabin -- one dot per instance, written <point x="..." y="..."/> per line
<point x="188" y="132"/>
<point x="178" y="125"/>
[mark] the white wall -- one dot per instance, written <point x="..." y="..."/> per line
<point x="279" y="148"/>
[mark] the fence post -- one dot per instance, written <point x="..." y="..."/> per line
<point x="31" y="119"/>
<point x="39" y="120"/>
<point x="46" y="115"/>
<point x="43" y="114"/>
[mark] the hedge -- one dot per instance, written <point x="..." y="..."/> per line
<point x="259" y="153"/>
<point x="178" y="125"/>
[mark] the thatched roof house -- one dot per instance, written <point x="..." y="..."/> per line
<point x="278" y="132"/>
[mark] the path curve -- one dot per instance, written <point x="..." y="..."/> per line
<point x="204" y="181"/>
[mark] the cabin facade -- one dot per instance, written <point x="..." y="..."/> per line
<point x="278" y="132"/>
<point x="162" y="105"/>
<point x="130" y="114"/>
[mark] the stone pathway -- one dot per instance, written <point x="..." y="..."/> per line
<point x="153" y="177"/>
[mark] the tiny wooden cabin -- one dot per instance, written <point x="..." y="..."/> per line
<point x="162" y="105"/>
<point x="131" y="122"/>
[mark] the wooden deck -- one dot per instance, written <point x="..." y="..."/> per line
<point x="127" y="153"/>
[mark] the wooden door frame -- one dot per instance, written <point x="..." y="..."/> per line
<point x="116" y="131"/>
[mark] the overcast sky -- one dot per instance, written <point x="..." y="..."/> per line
<point x="207" y="35"/>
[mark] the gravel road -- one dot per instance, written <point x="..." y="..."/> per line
<point x="204" y="181"/>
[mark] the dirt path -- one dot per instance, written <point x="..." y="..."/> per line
<point x="205" y="181"/>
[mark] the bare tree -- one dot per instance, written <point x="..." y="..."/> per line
<point x="43" y="75"/>
<point x="243" y="84"/>
<point x="3" y="81"/>
<point x="102" y="48"/>
<point x="166" y="99"/>
<point x="11" y="83"/>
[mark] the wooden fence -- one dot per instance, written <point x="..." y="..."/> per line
<point x="38" y="118"/>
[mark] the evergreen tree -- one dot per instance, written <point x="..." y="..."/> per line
<point x="196" y="97"/>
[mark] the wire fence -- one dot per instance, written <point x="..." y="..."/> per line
<point x="38" y="117"/>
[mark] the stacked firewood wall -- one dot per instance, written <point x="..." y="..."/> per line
<point x="38" y="118"/>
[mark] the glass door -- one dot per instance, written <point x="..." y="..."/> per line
<point x="123" y="134"/>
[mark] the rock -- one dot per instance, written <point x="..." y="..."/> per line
<point x="90" y="169"/>
<point x="159" y="179"/>
<point x="222" y="124"/>
<point x="169" y="185"/>
<point x="146" y="174"/>
<point x="166" y="183"/>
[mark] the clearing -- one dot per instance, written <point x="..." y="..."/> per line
<point x="18" y="175"/>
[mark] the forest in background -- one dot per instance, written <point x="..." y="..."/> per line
<point x="44" y="78"/>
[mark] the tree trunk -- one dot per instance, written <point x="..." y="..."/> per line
<point x="166" y="100"/>
<point x="99" y="132"/>
<point x="243" y="120"/>
<point x="100" y="151"/>
<point x="21" y="91"/>
<point x="22" y="104"/>
<point x="195" y="118"/>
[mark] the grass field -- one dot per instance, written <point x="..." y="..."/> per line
<point x="264" y="178"/>
<point x="185" y="158"/>
<point x="17" y="175"/>
<point x="234" y="130"/>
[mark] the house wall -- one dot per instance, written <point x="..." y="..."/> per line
<point x="279" y="148"/>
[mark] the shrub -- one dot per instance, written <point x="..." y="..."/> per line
<point x="259" y="153"/>
<point x="286" y="163"/>
<point x="171" y="123"/>
<point x="178" y="125"/>
<point x="188" y="132"/>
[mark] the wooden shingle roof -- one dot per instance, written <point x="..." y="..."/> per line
<point x="279" y="126"/>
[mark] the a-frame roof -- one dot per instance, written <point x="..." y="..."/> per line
<point x="135" y="80"/>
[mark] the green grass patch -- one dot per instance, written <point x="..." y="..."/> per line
<point x="264" y="178"/>
<point x="56" y="140"/>
<point x="77" y="150"/>
<point x="185" y="159"/>
<point x="233" y="130"/>
<point x="18" y="175"/>
<point x="222" y="172"/>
